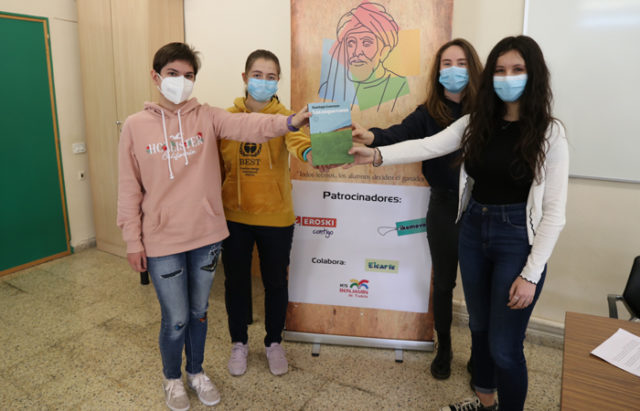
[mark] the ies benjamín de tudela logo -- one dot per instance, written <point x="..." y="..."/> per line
<point x="355" y="288"/>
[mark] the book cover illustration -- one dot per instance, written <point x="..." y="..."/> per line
<point x="330" y="129"/>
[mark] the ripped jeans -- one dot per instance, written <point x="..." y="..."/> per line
<point x="182" y="282"/>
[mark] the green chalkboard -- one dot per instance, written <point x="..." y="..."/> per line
<point x="33" y="221"/>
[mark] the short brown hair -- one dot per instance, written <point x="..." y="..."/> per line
<point x="176" y="51"/>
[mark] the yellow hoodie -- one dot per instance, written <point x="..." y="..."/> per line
<point x="257" y="188"/>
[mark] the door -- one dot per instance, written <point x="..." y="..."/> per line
<point x="33" y="215"/>
<point x="116" y="82"/>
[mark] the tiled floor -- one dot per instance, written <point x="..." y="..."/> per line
<point x="80" y="333"/>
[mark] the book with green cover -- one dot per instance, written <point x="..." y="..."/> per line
<point x="330" y="128"/>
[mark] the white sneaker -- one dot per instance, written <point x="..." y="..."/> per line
<point x="470" y="404"/>
<point x="278" y="364"/>
<point x="175" y="396"/>
<point x="207" y="392"/>
<point x="238" y="359"/>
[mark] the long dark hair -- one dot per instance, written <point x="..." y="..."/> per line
<point x="534" y="109"/>
<point x="436" y="102"/>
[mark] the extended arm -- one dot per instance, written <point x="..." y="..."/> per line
<point x="254" y="127"/>
<point x="414" y="126"/>
<point x="444" y="142"/>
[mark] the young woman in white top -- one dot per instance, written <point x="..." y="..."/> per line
<point x="512" y="198"/>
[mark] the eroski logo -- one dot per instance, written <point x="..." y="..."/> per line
<point x="325" y="222"/>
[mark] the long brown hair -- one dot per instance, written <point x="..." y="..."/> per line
<point x="436" y="102"/>
<point x="534" y="109"/>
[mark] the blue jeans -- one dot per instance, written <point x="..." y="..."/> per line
<point x="182" y="282"/>
<point x="493" y="250"/>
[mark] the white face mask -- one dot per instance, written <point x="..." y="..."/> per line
<point x="176" y="89"/>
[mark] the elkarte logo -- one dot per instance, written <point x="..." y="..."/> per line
<point x="381" y="266"/>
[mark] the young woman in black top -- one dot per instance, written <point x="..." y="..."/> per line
<point x="453" y="82"/>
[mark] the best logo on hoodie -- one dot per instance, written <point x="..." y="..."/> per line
<point x="250" y="149"/>
<point x="249" y="164"/>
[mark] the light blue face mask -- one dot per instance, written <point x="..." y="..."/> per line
<point x="454" y="79"/>
<point x="262" y="90"/>
<point x="509" y="88"/>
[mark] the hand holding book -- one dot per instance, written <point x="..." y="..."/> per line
<point x="360" y="134"/>
<point x="330" y="129"/>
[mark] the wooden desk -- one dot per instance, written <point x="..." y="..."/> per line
<point x="588" y="382"/>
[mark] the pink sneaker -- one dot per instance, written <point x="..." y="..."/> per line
<point x="278" y="364"/>
<point x="175" y="396"/>
<point x="207" y="392"/>
<point x="238" y="359"/>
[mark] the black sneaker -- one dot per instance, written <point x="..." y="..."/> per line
<point x="469" y="404"/>
<point x="441" y="365"/>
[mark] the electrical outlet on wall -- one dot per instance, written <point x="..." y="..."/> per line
<point x="79" y="148"/>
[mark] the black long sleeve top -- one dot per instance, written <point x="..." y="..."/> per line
<point x="441" y="172"/>
<point x="501" y="176"/>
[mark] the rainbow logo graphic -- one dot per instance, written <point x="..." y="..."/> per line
<point x="360" y="284"/>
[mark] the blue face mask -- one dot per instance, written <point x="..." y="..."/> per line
<point x="509" y="88"/>
<point x="262" y="90"/>
<point x="454" y="79"/>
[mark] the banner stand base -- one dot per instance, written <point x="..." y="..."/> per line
<point x="317" y="339"/>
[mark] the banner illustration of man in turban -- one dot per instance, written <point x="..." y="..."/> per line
<point x="353" y="67"/>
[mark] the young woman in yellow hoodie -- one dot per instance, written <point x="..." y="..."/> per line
<point x="170" y="208"/>
<point x="256" y="194"/>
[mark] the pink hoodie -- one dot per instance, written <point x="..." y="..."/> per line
<point x="169" y="174"/>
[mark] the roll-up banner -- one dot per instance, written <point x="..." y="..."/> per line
<point x="360" y="265"/>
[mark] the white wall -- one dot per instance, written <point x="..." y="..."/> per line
<point x="65" y="53"/>
<point x="602" y="236"/>
<point x="225" y="32"/>
<point x="485" y="22"/>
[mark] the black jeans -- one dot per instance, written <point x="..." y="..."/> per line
<point x="442" y="233"/>
<point x="274" y="247"/>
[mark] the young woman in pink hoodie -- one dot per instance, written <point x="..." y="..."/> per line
<point x="170" y="207"/>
